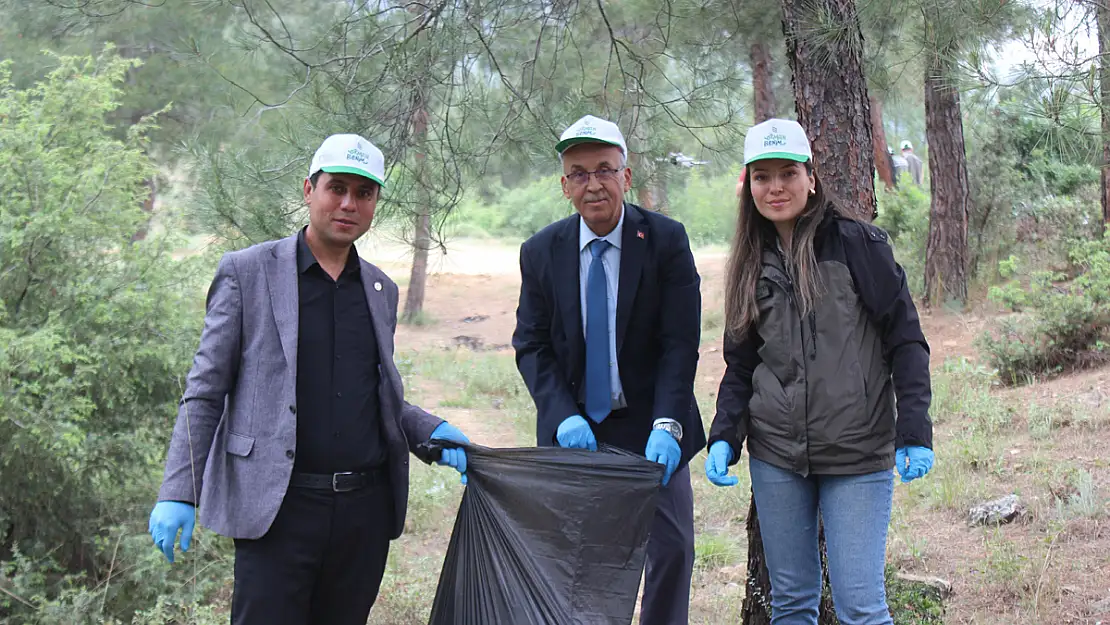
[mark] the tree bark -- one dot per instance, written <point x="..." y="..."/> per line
<point x="878" y="139"/>
<point x="1104" y="97"/>
<point x="422" y="239"/>
<point x="946" y="249"/>
<point x="763" y="92"/>
<point x="830" y="95"/>
<point x="756" y="609"/>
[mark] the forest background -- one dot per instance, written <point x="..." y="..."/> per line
<point x="141" y="139"/>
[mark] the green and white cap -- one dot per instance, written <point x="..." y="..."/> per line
<point x="349" y="154"/>
<point x="591" y="129"/>
<point x="777" y="138"/>
<point x="906" y="145"/>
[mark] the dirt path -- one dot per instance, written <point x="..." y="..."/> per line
<point x="998" y="576"/>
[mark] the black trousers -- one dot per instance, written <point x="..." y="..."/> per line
<point x="321" y="562"/>
<point x="670" y="555"/>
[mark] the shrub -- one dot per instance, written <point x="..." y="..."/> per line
<point x="96" y="331"/>
<point x="1066" y="326"/>
<point x="904" y="214"/>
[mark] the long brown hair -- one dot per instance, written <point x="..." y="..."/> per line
<point x="754" y="233"/>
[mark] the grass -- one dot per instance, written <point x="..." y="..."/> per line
<point x="913" y="603"/>
<point x="979" y="429"/>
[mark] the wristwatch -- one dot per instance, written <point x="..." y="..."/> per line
<point x="672" y="427"/>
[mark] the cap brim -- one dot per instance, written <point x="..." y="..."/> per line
<point x="790" y="156"/>
<point x="343" y="169"/>
<point x="561" y="146"/>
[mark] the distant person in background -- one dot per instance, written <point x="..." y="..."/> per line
<point x="293" y="434"/>
<point x="606" y="339"/>
<point x="826" y="380"/>
<point x="916" y="167"/>
<point x="900" y="165"/>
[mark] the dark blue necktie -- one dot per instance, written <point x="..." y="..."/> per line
<point x="599" y="396"/>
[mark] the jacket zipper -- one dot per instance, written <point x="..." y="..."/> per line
<point x="802" y="328"/>
<point x="812" y="314"/>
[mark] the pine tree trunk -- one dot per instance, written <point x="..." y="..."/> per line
<point x="640" y="159"/>
<point x="1104" y="89"/>
<point x="946" y="249"/>
<point x="878" y="139"/>
<point x="756" y="609"/>
<point x="830" y="95"/>
<point x="763" y="92"/>
<point x="422" y="239"/>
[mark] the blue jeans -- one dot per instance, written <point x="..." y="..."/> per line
<point x="856" y="512"/>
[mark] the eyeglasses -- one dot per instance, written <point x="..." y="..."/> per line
<point x="603" y="175"/>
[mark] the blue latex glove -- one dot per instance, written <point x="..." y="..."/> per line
<point x="913" y="462"/>
<point x="452" y="457"/>
<point x="664" y="449"/>
<point x="716" y="465"/>
<point x="575" y="433"/>
<point x="168" y="518"/>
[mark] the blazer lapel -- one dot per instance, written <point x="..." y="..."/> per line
<point x="568" y="295"/>
<point x="380" y="317"/>
<point x="281" y="279"/>
<point x="633" y="252"/>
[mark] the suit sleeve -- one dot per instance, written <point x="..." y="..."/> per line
<point x="535" y="354"/>
<point x="885" y="295"/>
<point x="213" y="374"/>
<point x="730" y="424"/>
<point x="416" y="422"/>
<point x="680" y="332"/>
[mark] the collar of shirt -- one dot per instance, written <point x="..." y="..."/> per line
<point x="585" y="235"/>
<point x="306" y="259"/>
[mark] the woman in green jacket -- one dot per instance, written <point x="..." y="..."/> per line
<point x="827" y="381"/>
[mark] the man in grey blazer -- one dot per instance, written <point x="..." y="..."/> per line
<point x="293" y="434"/>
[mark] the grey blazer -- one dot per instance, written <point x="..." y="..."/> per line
<point x="235" y="438"/>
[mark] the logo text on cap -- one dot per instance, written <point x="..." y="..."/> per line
<point x="357" y="155"/>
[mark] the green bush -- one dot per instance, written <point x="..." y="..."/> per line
<point x="904" y="214"/>
<point x="96" y="332"/>
<point x="518" y="212"/>
<point x="706" y="206"/>
<point x="1067" y="325"/>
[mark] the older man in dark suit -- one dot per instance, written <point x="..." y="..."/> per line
<point x="606" y="340"/>
<point x="293" y="434"/>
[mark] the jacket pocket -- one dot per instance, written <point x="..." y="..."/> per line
<point x="239" y="445"/>
<point x="769" y="407"/>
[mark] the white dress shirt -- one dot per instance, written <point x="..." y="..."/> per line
<point x="611" y="258"/>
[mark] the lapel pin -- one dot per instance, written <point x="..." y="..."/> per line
<point x="377" y="286"/>
<point x="640" y="234"/>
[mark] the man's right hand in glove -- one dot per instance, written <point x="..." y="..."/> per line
<point x="167" y="518"/>
<point x="716" y="465"/>
<point x="575" y="433"/>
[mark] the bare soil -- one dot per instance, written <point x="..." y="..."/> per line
<point x="1039" y="571"/>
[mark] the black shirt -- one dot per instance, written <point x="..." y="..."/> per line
<point x="338" y="369"/>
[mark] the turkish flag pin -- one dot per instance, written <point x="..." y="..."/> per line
<point x="640" y="234"/>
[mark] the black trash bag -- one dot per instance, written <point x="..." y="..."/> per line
<point x="548" y="536"/>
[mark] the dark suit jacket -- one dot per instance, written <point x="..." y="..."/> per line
<point x="235" y="440"/>
<point x="658" y="330"/>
